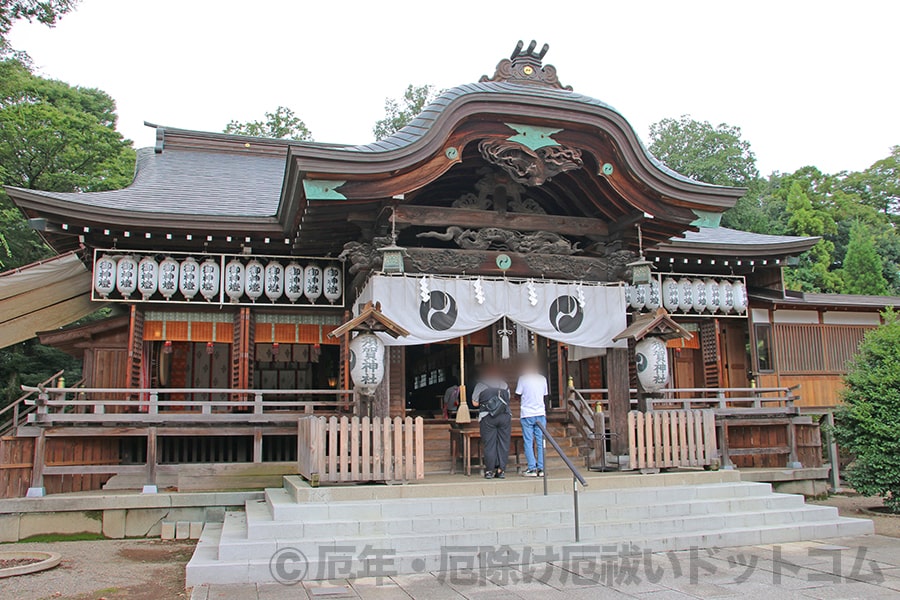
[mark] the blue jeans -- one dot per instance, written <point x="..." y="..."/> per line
<point x="532" y="437"/>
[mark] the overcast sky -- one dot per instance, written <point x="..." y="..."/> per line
<point x="808" y="82"/>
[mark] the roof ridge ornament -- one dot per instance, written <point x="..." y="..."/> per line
<point x="526" y="66"/>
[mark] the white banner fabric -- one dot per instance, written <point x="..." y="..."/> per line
<point x="434" y="309"/>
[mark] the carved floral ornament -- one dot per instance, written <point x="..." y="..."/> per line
<point x="527" y="166"/>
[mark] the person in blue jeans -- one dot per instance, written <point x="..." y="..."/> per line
<point x="532" y="388"/>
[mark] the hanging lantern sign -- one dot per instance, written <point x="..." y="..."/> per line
<point x="726" y="297"/>
<point x="312" y="282"/>
<point x="712" y="295"/>
<point x="188" y="279"/>
<point x="234" y="280"/>
<point x="332" y="278"/>
<point x="652" y="358"/>
<point x="253" y="280"/>
<point x="654" y="296"/>
<point x="670" y="294"/>
<point x="699" y="291"/>
<point x="209" y="279"/>
<point x="148" y="277"/>
<point x="293" y="282"/>
<point x="740" y="297"/>
<point x="168" y="277"/>
<point x="366" y="362"/>
<point x="105" y="275"/>
<point x="639" y="296"/>
<point x="274" y="278"/>
<point x="685" y="295"/>
<point x="126" y="276"/>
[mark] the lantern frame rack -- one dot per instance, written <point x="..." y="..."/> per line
<point x="660" y="277"/>
<point x="221" y="297"/>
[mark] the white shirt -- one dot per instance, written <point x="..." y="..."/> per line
<point x="532" y="387"/>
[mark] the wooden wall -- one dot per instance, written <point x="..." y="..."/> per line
<point x="809" y="445"/>
<point x="816" y="390"/>
<point x="17" y="458"/>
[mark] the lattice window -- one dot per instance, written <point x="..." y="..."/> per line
<point x="816" y="348"/>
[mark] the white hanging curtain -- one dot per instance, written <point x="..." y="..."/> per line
<point x="435" y="309"/>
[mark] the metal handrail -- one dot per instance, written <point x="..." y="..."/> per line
<point x="576" y="476"/>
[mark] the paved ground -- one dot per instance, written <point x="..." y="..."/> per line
<point x="867" y="567"/>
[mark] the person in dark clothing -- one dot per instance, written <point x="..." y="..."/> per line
<point x="491" y="398"/>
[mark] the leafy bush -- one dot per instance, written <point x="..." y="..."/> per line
<point x="868" y="422"/>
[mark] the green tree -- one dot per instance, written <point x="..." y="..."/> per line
<point x="868" y="420"/>
<point x="862" y="265"/>
<point x="281" y="124"/>
<point x="54" y="137"/>
<point x="47" y="12"/>
<point x="398" y="112"/>
<point x="879" y="185"/>
<point x="701" y="151"/>
<point x="814" y="273"/>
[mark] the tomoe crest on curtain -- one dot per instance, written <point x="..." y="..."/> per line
<point x="440" y="312"/>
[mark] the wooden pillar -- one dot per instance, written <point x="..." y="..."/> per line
<point x="257" y="445"/>
<point x="37" y="468"/>
<point x="381" y="405"/>
<point x="618" y="384"/>
<point x="152" y="460"/>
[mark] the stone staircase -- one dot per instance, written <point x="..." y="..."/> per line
<point x="670" y="511"/>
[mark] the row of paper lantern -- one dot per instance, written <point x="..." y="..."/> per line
<point x="190" y="278"/>
<point x="689" y="295"/>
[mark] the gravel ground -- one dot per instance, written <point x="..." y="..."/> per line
<point x="850" y="505"/>
<point x="91" y="570"/>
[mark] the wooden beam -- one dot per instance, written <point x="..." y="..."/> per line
<point x="434" y="216"/>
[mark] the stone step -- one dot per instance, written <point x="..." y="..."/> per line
<point x="537" y="527"/>
<point x="206" y="566"/>
<point x="278" y="511"/>
<point x="450" y="486"/>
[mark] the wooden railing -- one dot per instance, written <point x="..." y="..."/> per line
<point x="359" y="450"/>
<point x="728" y="401"/>
<point x="16" y="412"/>
<point x="671" y="438"/>
<point x="98" y="406"/>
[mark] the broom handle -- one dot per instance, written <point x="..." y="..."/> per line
<point x="462" y="371"/>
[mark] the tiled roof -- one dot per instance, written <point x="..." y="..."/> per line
<point x="191" y="182"/>
<point x="419" y="126"/>
<point x="726" y="240"/>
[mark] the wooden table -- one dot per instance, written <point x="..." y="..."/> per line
<point x="461" y="439"/>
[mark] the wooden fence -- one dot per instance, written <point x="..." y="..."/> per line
<point x="671" y="438"/>
<point x="354" y="449"/>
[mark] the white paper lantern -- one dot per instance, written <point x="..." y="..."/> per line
<point x="148" y="277"/>
<point x="234" y="280"/>
<point x="629" y="294"/>
<point x="654" y="296"/>
<point x="126" y="276"/>
<point x="253" y="280"/>
<point x="333" y="284"/>
<point x="639" y="296"/>
<point x="274" y="278"/>
<point x="366" y="362"/>
<point x="685" y="294"/>
<point x="699" y="291"/>
<point x="740" y="297"/>
<point x="293" y="281"/>
<point x="312" y="282"/>
<point x="726" y="296"/>
<point x="168" y="277"/>
<point x="189" y="278"/>
<point x="209" y="279"/>
<point x="105" y="275"/>
<point x="652" y="358"/>
<point x="671" y="293"/>
<point x="712" y="295"/>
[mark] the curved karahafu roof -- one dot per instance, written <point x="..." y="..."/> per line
<point x="313" y="197"/>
